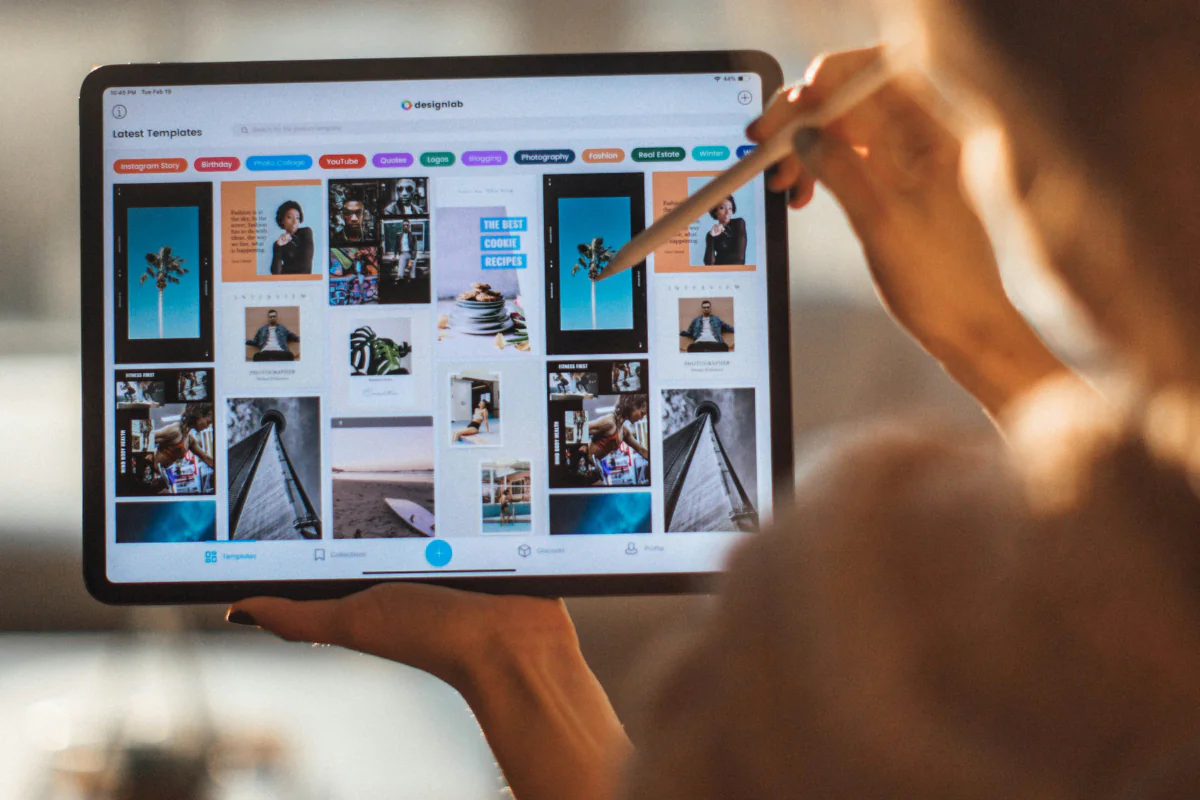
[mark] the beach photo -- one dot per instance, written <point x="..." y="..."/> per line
<point x="506" y="488"/>
<point x="382" y="477"/>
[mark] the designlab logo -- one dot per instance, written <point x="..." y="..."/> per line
<point x="431" y="105"/>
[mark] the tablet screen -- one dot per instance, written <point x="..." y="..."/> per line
<point x="369" y="330"/>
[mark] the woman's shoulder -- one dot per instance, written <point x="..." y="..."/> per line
<point x="737" y="222"/>
<point x="304" y="233"/>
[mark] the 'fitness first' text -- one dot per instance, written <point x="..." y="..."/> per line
<point x="153" y="134"/>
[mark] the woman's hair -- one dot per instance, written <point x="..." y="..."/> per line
<point x="287" y="206"/>
<point x="1114" y="83"/>
<point x="732" y="205"/>
<point x="628" y="402"/>
<point x="193" y="413"/>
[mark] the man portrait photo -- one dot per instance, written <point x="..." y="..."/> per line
<point x="706" y="333"/>
<point x="272" y="339"/>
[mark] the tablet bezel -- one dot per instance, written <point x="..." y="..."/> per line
<point x="95" y="383"/>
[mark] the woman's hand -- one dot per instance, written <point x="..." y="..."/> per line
<point x="515" y="660"/>
<point x="894" y="169"/>
<point x="717" y="230"/>
<point x="283" y="239"/>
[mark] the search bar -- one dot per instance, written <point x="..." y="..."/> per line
<point x="492" y="125"/>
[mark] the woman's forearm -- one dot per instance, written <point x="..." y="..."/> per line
<point x="547" y="720"/>
<point x="998" y="361"/>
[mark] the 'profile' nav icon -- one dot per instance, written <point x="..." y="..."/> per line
<point x="631" y="549"/>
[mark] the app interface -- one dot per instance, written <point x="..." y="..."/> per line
<point x="370" y="329"/>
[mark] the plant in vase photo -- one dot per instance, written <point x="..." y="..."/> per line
<point x="371" y="354"/>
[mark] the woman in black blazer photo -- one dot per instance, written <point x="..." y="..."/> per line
<point x="293" y="250"/>
<point x="726" y="242"/>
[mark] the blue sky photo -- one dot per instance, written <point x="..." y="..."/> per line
<point x="149" y="229"/>
<point x="626" y="512"/>
<point x="581" y="219"/>
<point x="166" y="522"/>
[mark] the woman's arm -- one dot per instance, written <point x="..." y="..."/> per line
<point x="627" y="437"/>
<point x="194" y="446"/>
<point x="305" y="236"/>
<point x="515" y="660"/>
<point x="710" y="254"/>
<point x="739" y="239"/>
<point x="927" y="250"/>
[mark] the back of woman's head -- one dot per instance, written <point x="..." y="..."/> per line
<point x="1114" y="87"/>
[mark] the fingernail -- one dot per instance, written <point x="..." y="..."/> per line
<point x="239" y="617"/>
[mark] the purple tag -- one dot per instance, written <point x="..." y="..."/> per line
<point x="388" y="160"/>
<point x="485" y="158"/>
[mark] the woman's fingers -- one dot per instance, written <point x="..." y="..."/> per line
<point x="785" y="174"/>
<point x="825" y="76"/>
<point x="422" y="626"/>
<point x="845" y="173"/>
<point x="314" y="621"/>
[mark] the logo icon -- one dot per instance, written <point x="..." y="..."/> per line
<point x="523" y="551"/>
<point x="406" y="104"/>
<point x="210" y="556"/>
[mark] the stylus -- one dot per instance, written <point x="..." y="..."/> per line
<point x="864" y="84"/>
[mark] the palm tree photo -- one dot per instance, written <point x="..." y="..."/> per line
<point x="594" y="258"/>
<point x="163" y="267"/>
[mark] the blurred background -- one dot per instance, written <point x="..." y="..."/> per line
<point x="241" y="714"/>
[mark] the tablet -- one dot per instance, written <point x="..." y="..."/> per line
<point x="347" y="322"/>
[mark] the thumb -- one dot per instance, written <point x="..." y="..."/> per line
<point x="844" y="172"/>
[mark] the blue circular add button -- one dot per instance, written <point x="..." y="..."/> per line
<point x="438" y="553"/>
